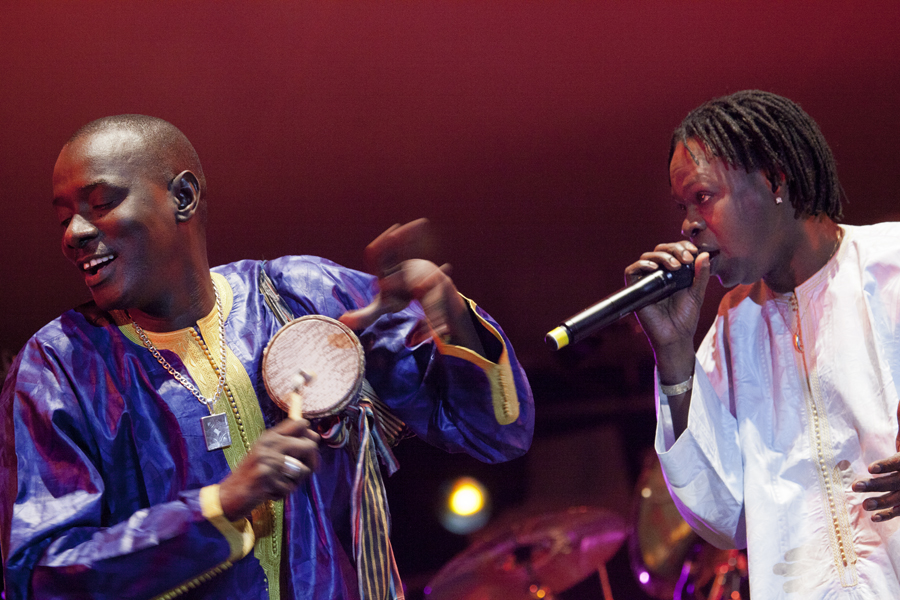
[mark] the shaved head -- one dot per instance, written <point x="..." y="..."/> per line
<point x="128" y="193"/>
<point x="166" y="151"/>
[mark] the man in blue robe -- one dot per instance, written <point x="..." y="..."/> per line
<point x="108" y="487"/>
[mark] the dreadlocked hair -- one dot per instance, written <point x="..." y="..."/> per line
<point x="761" y="131"/>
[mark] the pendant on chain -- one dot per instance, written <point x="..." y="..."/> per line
<point x="215" y="431"/>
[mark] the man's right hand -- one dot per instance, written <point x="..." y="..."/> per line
<point x="671" y="323"/>
<point x="281" y="459"/>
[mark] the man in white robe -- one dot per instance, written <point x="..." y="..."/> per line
<point x="774" y="434"/>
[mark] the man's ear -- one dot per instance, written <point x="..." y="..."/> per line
<point x="185" y="189"/>
<point x="776" y="182"/>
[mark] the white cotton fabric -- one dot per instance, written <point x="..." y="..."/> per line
<point x="776" y="437"/>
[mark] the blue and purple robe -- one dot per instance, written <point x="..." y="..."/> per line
<point x="107" y="489"/>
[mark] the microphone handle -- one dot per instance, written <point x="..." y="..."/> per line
<point x="652" y="288"/>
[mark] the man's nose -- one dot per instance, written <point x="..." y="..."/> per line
<point x="79" y="232"/>
<point x="692" y="224"/>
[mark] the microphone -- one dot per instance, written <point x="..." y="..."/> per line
<point x="660" y="284"/>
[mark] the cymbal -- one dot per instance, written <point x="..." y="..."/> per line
<point x="533" y="558"/>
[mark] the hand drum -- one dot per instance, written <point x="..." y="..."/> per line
<point x="319" y="358"/>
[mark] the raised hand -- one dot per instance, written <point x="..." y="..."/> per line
<point x="403" y="276"/>
<point x="670" y="324"/>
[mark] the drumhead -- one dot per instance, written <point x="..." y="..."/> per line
<point x="330" y="355"/>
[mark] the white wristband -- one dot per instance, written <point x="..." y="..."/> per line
<point x="678" y="388"/>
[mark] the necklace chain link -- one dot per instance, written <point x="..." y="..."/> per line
<point x="221" y="385"/>
<point x="795" y="303"/>
<point x="208" y="402"/>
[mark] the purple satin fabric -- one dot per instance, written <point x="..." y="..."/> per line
<point x="103" y="456"/>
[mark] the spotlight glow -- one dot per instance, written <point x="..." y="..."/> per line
<point x="466" y="498"/>
<point x="465" y="507"/>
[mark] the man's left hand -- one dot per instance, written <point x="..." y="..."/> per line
<point x="404" y="277"/>
<point x="887" y="472"/>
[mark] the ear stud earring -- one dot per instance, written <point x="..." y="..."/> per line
<point x="778" y="200"/>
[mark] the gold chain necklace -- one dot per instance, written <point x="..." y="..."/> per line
<point x="837" y="243"/>
<point x="215" y="425"/>
<point x="795" y="303"/>
<point x="798" y="336"/>
<point x="228" y="393"/>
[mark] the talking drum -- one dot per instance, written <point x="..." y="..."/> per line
<point x="320" y="360"/>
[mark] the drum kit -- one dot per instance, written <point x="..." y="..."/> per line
<point x="534" y="558"/>
<point x="540" y="557"/>
<point x="668" y="559"/>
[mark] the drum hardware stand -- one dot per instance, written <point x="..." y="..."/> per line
<point x="727" y="585"/>
<point x="604" y="582"/>
<point x="522" y="556"/>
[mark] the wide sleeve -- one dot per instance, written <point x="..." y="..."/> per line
<point x="449" y="396"/>
<point x="703" y="468"/>
<point x="78" y="525"/>
<point x="458" y="400"/>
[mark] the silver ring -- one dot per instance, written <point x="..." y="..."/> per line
<point x="292" y="467"/>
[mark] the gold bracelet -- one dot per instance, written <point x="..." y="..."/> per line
<point x="678" y="388"/>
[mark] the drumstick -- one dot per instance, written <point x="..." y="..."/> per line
<point x="295" y="412"/>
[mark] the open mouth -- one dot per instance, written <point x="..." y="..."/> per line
<point x="93" y="266"/>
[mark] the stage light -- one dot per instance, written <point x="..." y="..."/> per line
<point x="466" y="506"/>
<point x="466" y="498"/>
